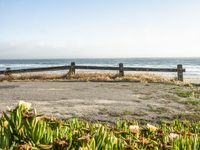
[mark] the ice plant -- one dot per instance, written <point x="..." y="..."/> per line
<point x="22" y="129"/>
<point x="151" y="128"/>
<point x="134" y="129"/>
<point x="24" y="105"/>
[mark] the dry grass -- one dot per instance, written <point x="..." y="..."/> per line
<point x="140" y="77"/>
<point x="29" y="76"/>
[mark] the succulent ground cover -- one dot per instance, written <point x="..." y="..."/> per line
<point x="22" y="128"/>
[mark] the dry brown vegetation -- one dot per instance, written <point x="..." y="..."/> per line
<point x="29" y="76"/>
<point x="140" y="77"/>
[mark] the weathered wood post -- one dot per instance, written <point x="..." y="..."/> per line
<point x="121" y="69"/>
<point x="180" y="72"/>
<point x="72" y="68"/>
<point x="7" y="72"/>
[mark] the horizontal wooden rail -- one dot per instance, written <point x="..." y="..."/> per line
<point x="8" y="71"/>
<point x="96" y="68"/>
<point x="120" y="68"/>
<point x="90" y="68"/>
<point x="152" y="69"/>
<point x="129" y="68"/>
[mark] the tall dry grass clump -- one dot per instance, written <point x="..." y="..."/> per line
<point x="29" y="76"/>
<point x="140" y="77"/>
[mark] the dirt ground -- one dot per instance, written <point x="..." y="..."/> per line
<point x="104" y="101"/>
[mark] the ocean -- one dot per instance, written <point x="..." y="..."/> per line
<point x="192" y="65"/>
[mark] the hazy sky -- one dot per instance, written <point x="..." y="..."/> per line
<point x="99" y="28"/>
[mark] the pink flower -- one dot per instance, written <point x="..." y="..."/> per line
<point x="173" y="136"/>
<point x="134" y="128"/>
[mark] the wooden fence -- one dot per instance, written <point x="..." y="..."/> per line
<point x="179" y="69"/>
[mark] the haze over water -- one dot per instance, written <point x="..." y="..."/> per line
<point x="38" y="29"/>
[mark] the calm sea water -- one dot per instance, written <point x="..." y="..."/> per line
<point x="192" y="65"/>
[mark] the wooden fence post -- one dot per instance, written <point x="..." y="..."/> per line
<point x="72" y="68"/>
<point x="121" y="69"/>
<point x="180" y="72"/>
<point x="7" y="71"/>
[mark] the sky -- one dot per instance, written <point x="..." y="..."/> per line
<point x="31" y="29"/>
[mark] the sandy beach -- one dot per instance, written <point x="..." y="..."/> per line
<point x="104" y="101"/>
